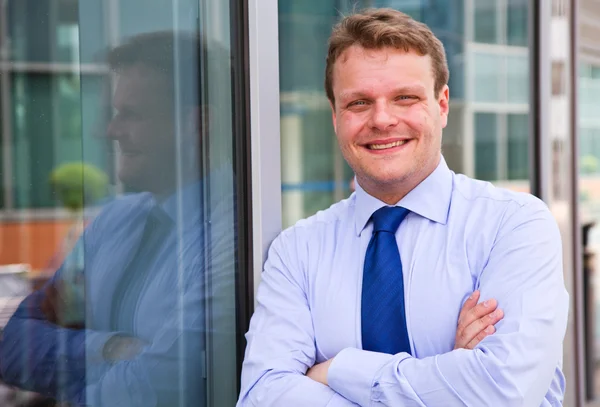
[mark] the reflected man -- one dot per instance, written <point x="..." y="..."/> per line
<point x="137" y="336"/>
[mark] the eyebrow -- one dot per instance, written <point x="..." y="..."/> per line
<point x="419" y="89"/>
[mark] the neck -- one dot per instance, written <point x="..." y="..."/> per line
<point x="164" y="190"/>
<point x="391" y="193"/>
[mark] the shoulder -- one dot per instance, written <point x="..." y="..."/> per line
<point x="325" y="221"/>
<point x="474" y="190"/>
<point x="119" y="210"/>
<point x="505" y="208"/>
<point x="477" y="193"/>
<point x="323" y="226"/>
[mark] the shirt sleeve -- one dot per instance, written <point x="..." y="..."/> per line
<point x="40" y="356"/>
<point x="168" y="371"/>
<point x="171" y="369"/>
<point x="513" y="367"/>
<point x="281" y="342"/>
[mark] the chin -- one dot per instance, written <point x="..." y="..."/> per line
<point x="393" y="176"/>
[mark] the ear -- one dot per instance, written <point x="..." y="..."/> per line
<point x="333" y="116"/>
<point x="444" y="104"/>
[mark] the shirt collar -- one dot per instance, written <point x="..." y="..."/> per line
<point x="189" y="199"/>
<point x="430" y="199"/>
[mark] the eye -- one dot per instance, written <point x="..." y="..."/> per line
<point x="357" y="103"/>
<point x="405" y="97"/>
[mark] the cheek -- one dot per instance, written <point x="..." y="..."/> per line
<point x="420" y="121"/>
<point x="349" y="129"/>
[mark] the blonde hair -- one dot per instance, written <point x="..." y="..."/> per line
<point x="378" y="28"/>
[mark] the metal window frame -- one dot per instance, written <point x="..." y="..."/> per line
<point x="541" y="170"/>
<point x="239" y="26"/>
<point x="578" y="300"/>
<point x="263" y="35"/>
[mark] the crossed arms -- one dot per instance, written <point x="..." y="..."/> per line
<point x="513" y="367"/>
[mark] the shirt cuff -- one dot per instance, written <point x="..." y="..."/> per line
<point x="353" y="371"/>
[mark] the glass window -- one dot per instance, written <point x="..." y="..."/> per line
<point x="486" y="146"/>
<point x="47" y="131"/>
<point x="516" y="22"/>
<point x="487" y="77"/>
<point x="589" y="200"/>
<point x="485" y="17"/>
<point x="517" y="79"/>
<point x="47" y="31"/>
<point x="518" y="146"/>
<point x="120" y="227"/>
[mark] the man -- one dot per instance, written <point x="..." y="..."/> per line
<point x="146" y="256"/>
<point x="358" y="305"/>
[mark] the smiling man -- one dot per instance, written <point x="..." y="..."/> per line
<point x="359" y="304"/>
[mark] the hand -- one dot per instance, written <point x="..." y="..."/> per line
<point x="120" y="348"/>
<point x="319" y="372"/>
<point x="476" y="321"/>
<point x="55" y="306"/>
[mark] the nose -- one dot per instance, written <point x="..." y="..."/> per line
<point x="383" y="117"/>
<point x="114" y="130"/>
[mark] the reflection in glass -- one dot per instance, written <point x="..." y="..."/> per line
<point x="122" y="226"/>
<point x="47" y="132"/>
<point x="43" y="31"/>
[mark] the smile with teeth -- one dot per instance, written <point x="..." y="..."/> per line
<point x="385" y="146"/>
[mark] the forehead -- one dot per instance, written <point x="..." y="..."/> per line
<point x="386" y="67"/>
<point x="140" y="86"/>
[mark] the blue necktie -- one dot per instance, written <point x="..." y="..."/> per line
<point x="382" y="309"/>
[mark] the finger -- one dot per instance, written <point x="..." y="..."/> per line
<point x="477" y="326"/>
<point x="489" y="330"/>
<point x="476" y="312"/>
<point x="472" y="300"/>
<point x="469" y="304"/>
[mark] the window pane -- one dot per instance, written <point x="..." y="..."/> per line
<point x="47" y="131"/>
<point x="516" y="22"/>
<point x="485" y="18"/>
<point x="517" y="78"/>
<point x="122" y="222"/>
<point x="313" y="172"/>
<point x="486" y="146"/>
<point x="488" y="68"/>
<point x="589" y="200"/>
<point x="44" y="31"/>
<point x="518" y="146"/>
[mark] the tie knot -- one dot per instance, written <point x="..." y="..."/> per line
<point x="388" y="218"/>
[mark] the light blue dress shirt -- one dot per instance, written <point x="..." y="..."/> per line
<point x="168" y="316"/>
<point x="461" y="235"/>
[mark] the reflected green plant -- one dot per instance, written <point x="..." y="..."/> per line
<point x="588" y="164"/>
<point x="77" y="184"/>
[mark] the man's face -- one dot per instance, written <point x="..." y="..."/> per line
<point x="387" y="117"/>
<point x="143" y="126"/>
